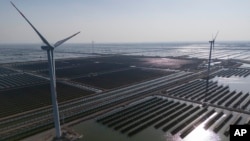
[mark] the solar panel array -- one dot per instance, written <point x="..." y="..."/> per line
<point x="20" y="79"/>
<point x="217" y="95"/>
<point x="168" y="115"/>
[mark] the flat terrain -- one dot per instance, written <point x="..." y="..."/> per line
<point x="86" y="87"/>
<point x="19" y="100"/>
<point x="121" y="78"/>
<point x="25" y="86"/>
<point x="159" y="119"/>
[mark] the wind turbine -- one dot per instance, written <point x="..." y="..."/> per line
<point x="93" y="45"/>
<point x="51" y="63"/>
<point x="209" y="60"/>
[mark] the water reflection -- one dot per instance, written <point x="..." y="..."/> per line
<point x="201" y="134"/>
<point x="235" y="83"/>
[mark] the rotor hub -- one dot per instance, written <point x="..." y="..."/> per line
<point x="46" y="47"/>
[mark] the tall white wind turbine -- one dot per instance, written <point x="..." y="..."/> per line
<point x="209" y="60"/>
<point x="51" y="63"/>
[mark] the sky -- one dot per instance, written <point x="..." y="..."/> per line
<point x="124" y="21"/>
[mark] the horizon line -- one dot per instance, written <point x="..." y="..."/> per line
<point x="145" y="42"/>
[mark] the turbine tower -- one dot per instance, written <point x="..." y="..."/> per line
<point x="51" y="64"/>
<point x="209" y="61"/>
<point x="93" y="45"/>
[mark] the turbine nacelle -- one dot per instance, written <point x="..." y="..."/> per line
<point x="58" y="43"/>
<point x="47" y="48"/>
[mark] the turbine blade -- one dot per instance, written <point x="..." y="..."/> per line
<point x="42" y="38"/>
<point x="64" y="40"/>
<point x="215" y="38"/>
<point x="213" y="45"/>
<point x="216" y="35"/>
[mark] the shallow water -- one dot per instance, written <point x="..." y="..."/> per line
<point x="32" y="52"/>
<point x="244" y="65"/>
<point x="235" y="83"/>
<point x="93" y="131"/>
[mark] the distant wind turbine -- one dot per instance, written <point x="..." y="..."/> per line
<point x="209" y="60"/>
<point x="93" y="45"/>
<point x="51" y="64"/>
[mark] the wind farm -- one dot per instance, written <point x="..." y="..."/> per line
<point x="143" y="91"/>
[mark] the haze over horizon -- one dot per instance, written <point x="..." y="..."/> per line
<point x="126" y="21"/>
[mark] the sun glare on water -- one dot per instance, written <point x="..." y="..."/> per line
<point x="201" y="134"/>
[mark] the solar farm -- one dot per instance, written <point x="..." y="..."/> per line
<point x="170" y="115"/>
<point x="128" y="96"/>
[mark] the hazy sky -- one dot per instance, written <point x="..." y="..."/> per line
<point x="125" y="20"/>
